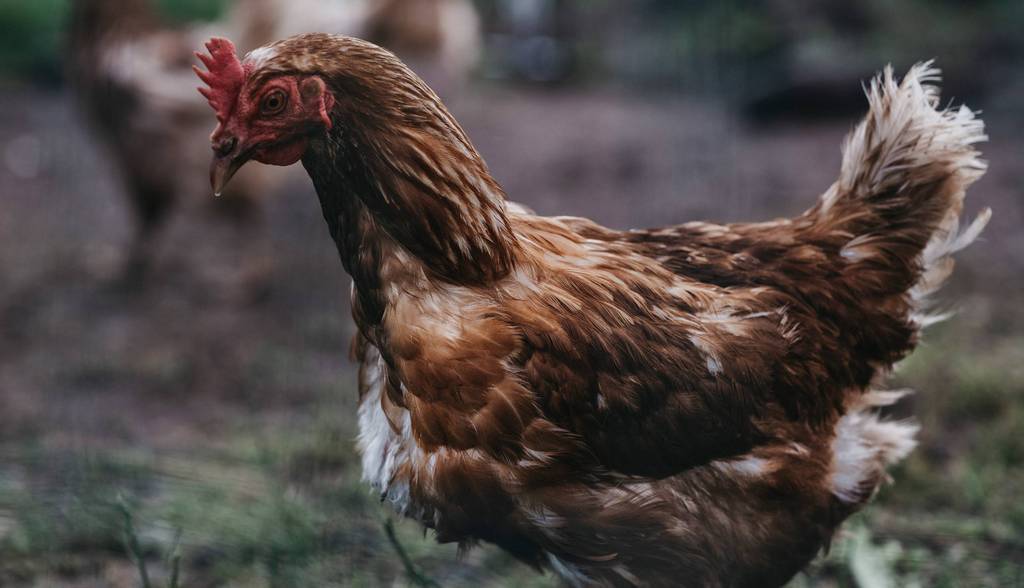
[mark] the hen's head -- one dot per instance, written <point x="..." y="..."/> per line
<point x="272" y="103"/>
<point x="263" y="113"/>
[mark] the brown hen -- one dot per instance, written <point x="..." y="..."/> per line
<point x="693" y="404"/>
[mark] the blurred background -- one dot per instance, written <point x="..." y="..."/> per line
<point x="174" y="388"/>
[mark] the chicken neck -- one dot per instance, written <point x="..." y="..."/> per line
<point x="451" y="222"/>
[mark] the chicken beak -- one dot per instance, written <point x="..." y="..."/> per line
<point x="228" y="156"/>
<point x="221" y="171"/>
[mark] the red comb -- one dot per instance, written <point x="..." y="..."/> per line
<point x="224" y="76"/>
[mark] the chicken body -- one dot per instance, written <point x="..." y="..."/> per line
<point x="688" y="404"/>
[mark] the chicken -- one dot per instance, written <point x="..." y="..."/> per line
<point x="130" y="69"/>
<point x="692" y="404"/>
<point x="441" y="38"/>
<point x="133" y="128"/>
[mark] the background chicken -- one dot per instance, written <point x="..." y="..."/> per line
<point x="626" y="408"/>
<point x="132" y="72"/>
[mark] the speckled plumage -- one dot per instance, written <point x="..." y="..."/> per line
<point x="686" y="404"/>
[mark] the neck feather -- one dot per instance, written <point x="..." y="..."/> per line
<point x="410" y="176"/>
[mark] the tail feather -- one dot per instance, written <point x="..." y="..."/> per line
<point x="906" y="141"/>
<point x="897" y="203"/>
<point x="894" y="214"/>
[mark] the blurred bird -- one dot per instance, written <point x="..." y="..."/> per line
<point x="131" y="72"/>
<point x="693" y="404"/>
<point x="439" y="38"/>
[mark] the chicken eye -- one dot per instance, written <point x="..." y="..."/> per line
<point x="274" y="102"/>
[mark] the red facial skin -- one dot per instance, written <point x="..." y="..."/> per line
<point x="279" y="138"/>
<point x="262" y="128"/>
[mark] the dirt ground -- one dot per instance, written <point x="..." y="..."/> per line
<point x="219" y="400"/>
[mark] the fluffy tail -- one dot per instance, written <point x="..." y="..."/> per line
<point x="896" y="206"/>
<point x="893" y="217"/>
